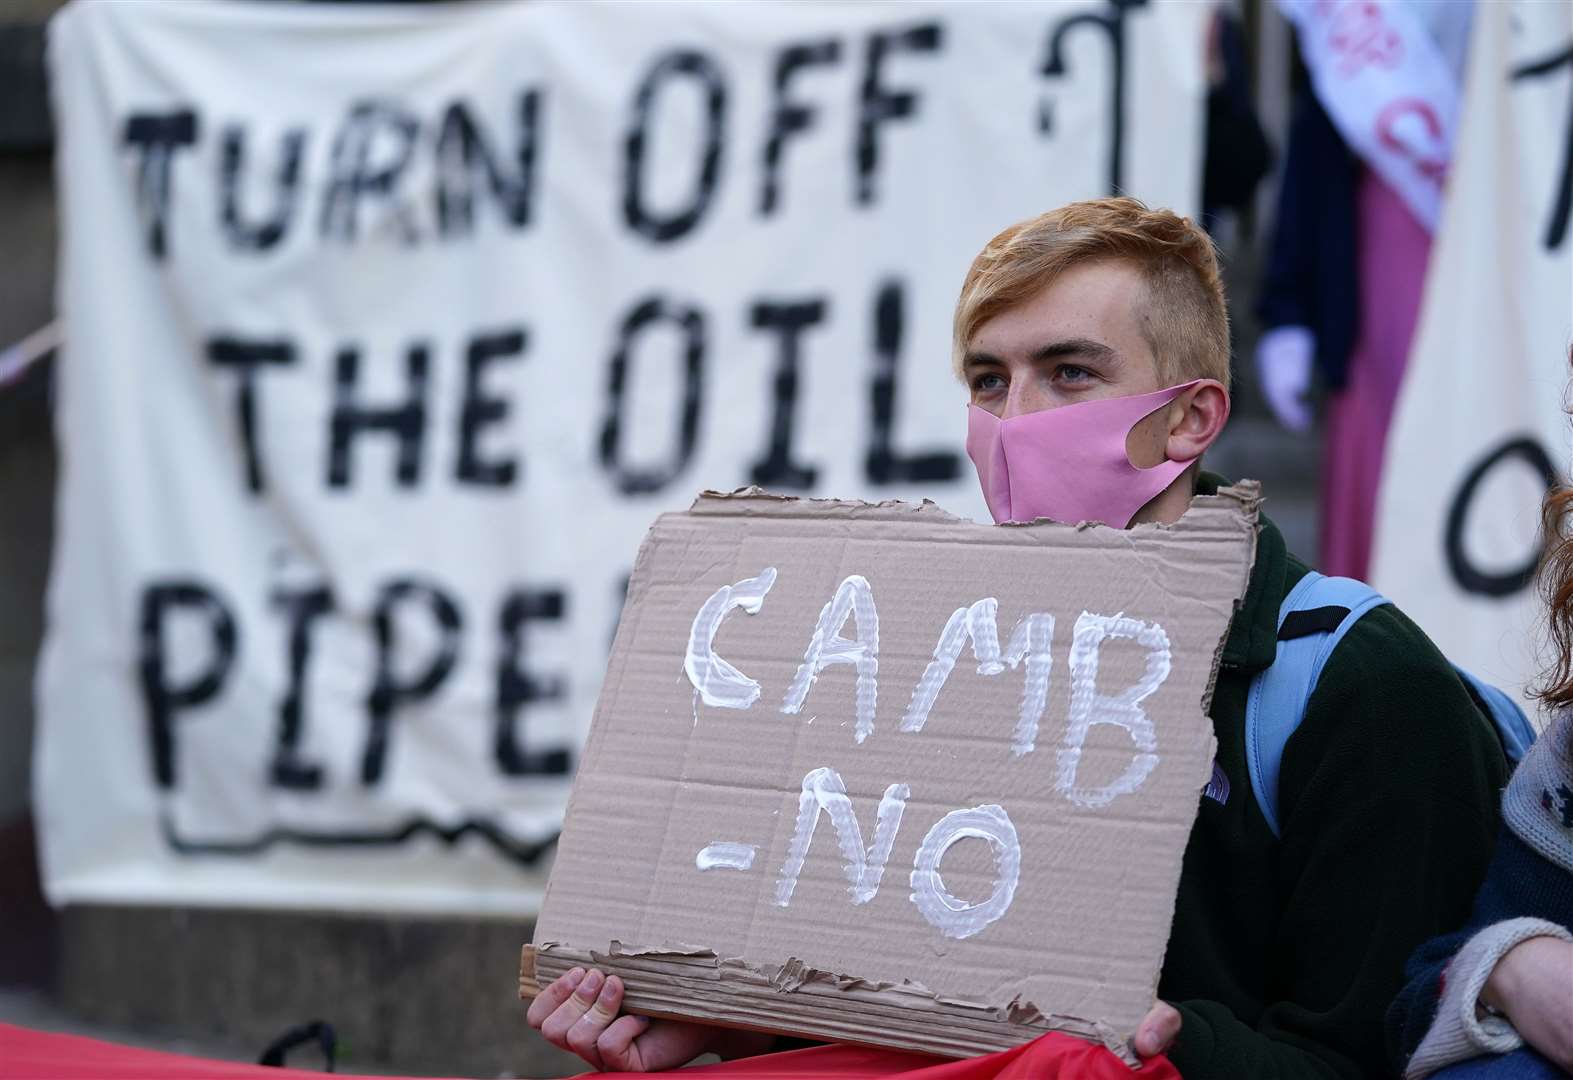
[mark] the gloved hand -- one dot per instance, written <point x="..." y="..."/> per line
<point x="1283" y="364"/>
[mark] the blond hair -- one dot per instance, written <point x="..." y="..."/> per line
<point x="1184" y="319"/>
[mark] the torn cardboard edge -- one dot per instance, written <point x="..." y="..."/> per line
<point x="657" y="982"/>
<point x="756" y="501"/>
<point x="794" y="999"/>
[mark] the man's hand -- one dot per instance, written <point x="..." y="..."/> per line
<point x="1158" y="1030"/>
<point x="579" y="1012"/>
<point x="1533" y="985"/>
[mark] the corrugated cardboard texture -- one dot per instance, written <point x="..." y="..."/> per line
<point x="897" y="959"/>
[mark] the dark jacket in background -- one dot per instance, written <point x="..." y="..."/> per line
<point x="1311" y="278"/>
<point x="1237" y="153"/>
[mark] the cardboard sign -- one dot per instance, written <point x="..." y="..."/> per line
<point x="877" y="774"/>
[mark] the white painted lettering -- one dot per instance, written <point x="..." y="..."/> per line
<point x="824" y="790"/>
<point x="954" y="917"/>
<point x="854" y="597"/>
<point x="717" y="682"/>
<point x="1030" y="641"/>
<point x="725" y="855"/>
<point x="977" y="623"/>
<point x="1089" y="707"/>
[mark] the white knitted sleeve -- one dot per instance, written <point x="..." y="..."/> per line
<point x="1459" y="1031"/>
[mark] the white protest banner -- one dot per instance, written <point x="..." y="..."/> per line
<point x="390" y="329"/>
<point x="1480" y="429"/>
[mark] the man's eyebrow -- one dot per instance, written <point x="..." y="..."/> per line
<point x="1083" y="347"/>
<point x="973" y="359"/>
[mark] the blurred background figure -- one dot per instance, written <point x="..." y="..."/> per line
<point x="1346" y="266"/>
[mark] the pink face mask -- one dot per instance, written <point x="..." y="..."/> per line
<point x="1069" y="463"/>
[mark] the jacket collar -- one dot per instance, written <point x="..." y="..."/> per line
<point x="1253" y="635"/>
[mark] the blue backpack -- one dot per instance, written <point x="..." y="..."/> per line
<point x="1313" y="619"/>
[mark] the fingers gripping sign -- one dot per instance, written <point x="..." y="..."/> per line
<point x="579" y="1012"/>
<point x="597" y="1001"/>
<point x="1158" y="1030"/>
<point x="623" y="1048"/>
<point x="558" y="1011"/>
<point x="546" y="1002"/>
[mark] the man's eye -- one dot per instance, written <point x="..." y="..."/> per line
<point x="986" y="382"/>
<point x="1072" y="373"/>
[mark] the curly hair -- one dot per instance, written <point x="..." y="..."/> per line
<point x="1556" y="586"/>
<point x="1185" y="318"/>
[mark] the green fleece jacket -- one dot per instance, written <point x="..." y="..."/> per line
<point x="1286" y="953"/>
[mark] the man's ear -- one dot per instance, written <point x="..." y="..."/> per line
<point x="1196" y="419"/>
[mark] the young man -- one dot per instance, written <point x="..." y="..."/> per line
<point x="1285" y="952"/>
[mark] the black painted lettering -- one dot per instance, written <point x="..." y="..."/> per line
<point x="788" y="321"/>
<point x="162" y="696"/>
<point x="789" y="117"/>
<point x="266" y="233"/>
<point x="388" y="692"/>
<point x="247" y="358"/>
<point x="878" y="103"/>
<point x="883" y="465"/>
<point x="1111" y="23"/>
<point x="480" y="411"/>
<point x="1562" y="199"/>
<point x="405" y="422"/>
<point x="1468" y="576"/>
<point x="465" y="161"/>
<point x="690" y="321"/>
<point x="1562" y="204"/>
<point x="370" y="154"/>
<point x="156" y="137"/>
<point x="302" y="608"/>
<point x="637" y="153"/>
<point x="518" y="688"/>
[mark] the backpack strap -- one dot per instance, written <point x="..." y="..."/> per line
<point x="1513" y="727"/>
<point x="1313" y="619"/>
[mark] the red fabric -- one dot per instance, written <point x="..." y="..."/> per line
<point x="1048" y="1057"/>
<point x="38" y="1055"/>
